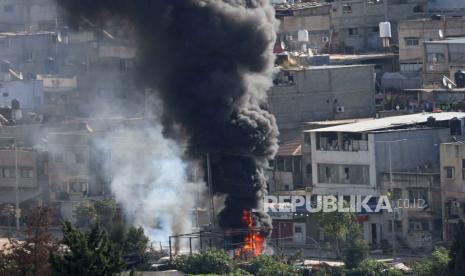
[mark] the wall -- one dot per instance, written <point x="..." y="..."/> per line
<point x="316" y="93"/>
<point x="29" y="93"/>
<point x="420" y="148"/>
<point x="26" y="160"/>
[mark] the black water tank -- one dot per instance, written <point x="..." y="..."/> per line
<point x="431" y="121"/>
<point x="455" y="126"/>
<point x="15" y="104"/>
<point x="460" y="79"/>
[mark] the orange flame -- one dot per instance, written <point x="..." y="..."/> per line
<point x="253" y="241"/>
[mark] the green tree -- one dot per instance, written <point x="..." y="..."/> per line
<point x="356" y="249"/>
<point x="106" y="210"/>
<point x="30" y="256"/>
<point x="436" y="265"/>
<point x="135" y="241"/>
<point x="85" y="213"/>
<point x="336" y="224"/>
<point x="457" y="252"/>
<point x="90" y="254"/>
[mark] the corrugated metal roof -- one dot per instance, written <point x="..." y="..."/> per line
<point x="390" y="122"/>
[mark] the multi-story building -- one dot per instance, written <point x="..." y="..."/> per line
<point x="29" y="15"/>
<point x="321" y="93"/>
<point x="358" y="159"/>
<point x="413" y="34"/>
<point x="349" y="25"/>
<point x="452" y="186"/>
<point x="442" y="58"/>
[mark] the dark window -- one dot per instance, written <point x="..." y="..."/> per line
<point x="450" y="172"/>
<point x="298" y="229"/>
<point x="375" y="29"/>
<point x="8" y="8"/>
<point x="280" y="164"/>
<point x="412" y="41"/>
<point x="353" y="31"/>
<point x="5" y="94"/>
<point x="308" y="168"/>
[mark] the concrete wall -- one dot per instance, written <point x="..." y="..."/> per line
<point x="318" y="91"/>
<point x="26" y="160"/>
<point x="420" y="148"/>
<point x="29" y="93"/>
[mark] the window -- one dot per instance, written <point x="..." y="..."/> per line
<point x="346" y="8"/>
<point x="26" y="172"/>
<point x="280" y="164"/>
<point x="298" y="229"/>
<point x="450" y="172"/>
<point x="353" y="31"/>
<point x="343" y="174"/>
<point x="79" y="158"/>
<point x="410" y="67"/>
<point x="418" y="9"/>
<point x="412" y="41"/>
<point x="457" y="53"/>
<point x="396" y="193"/>
<point x="435" y="53"/>
<point x="5" y="94"/>
<point x="307" y="139"/>
<point x="8" y="8"/>
<point x="8" y="172"/>
<point x="375" y="29"/>
<point x="416" y="194"/>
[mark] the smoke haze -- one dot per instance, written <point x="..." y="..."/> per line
<point x="210" y="62"/>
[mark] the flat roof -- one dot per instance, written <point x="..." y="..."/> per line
<point x="389" y="122"/>
<point x="323" y="67"/>
<point x="456" y="40"/>
<point x="299" y="6"/>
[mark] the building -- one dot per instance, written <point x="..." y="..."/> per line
<point x="60" y="95"/>
<point x="29" y="15"/>
<point x="442" y="58"/>
<point x="452" y="186"/>
<point x="321" y="93"/>
<point x="453" y="7"/>
<point x="358" y="159"/>
<point x="29" y="93"/>
<point x="353" y="24"/>
<point x="413" y="34"/>
<point x="313" y="17"/>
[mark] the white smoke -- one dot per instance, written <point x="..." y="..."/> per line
<point x="150" y="180"/>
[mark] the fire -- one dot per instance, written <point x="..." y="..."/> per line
<point x="253" y="241"/>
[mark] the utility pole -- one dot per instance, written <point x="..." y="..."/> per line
<point x="210" y="192"/>
<point x="393" y="214"/>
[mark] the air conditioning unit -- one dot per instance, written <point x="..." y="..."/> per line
<point x="340" y="109"/>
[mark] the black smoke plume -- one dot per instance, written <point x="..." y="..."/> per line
<point x="210" y="62"/>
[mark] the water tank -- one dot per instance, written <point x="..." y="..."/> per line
<point x="385" y="30"/>
<point x="15" y="104"/>
<point x="455" y="126"/>
<point x="431" y="121"/>
<point x="459" y="77"/>
<point x="302" y="35"/>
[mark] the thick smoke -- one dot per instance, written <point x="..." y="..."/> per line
<point x="211" y="63"/>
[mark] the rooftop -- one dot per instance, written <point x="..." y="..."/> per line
<point x="322" y="67"/>
<point x="455" y="40"/>
<point x="24" y="33"/>
<point x="299" y="6"/>
<point x="291" y="148"/>
<point x="390" y="122"/>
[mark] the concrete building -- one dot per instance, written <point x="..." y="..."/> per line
<point x="413" y="34"/>
<point x="447" y="6"/>
<point x="353" y="24"/>
<point x="356" y="159"/>
<point x="29" y="93"/>
<point x="60" y="95"/>
<point x="452" y="186"/>
<point x="442" y="58"/>
<point x="321" y="93"/>
<point x="313" y="17"/>
<point x="31" y="15"/>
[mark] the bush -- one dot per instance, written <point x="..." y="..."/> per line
<point x="370" y="267"/>
<point x="356" y="249"/>
<point x="435" y="265"/>
<point x="267" y="266"/>
<point x="208" y="261"/>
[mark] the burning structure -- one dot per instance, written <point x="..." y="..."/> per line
<point x="209" y="62"/>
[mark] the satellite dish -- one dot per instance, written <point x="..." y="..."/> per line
<point x="441" y="34"/>
<point x="444" y="82"/>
